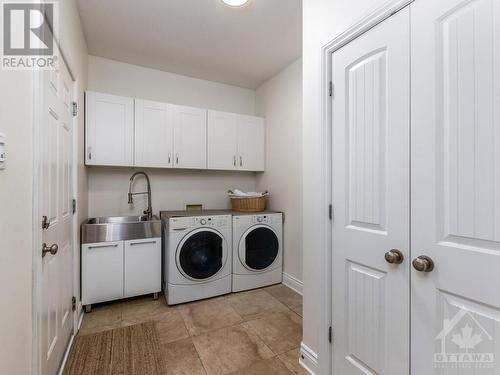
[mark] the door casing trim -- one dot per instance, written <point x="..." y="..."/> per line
<point x="360" y="27"/>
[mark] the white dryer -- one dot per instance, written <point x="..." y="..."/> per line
<point x="197" y="257"/>
<point x="257" y="250"/>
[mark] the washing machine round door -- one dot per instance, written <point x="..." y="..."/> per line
<point x="259" y="248"/>
<point x="201" y="254"/>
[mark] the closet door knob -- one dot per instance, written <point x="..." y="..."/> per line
<point x="423" y="263"/>
<point x="394" y="256"/>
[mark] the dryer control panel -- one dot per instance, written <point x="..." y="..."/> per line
<point x="266" y="219"/>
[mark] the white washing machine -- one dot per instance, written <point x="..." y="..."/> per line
<point x="197" y="257"/>
<point x="257" y="250"/>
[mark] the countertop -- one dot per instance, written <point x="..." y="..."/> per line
<point x="169" y="214"/>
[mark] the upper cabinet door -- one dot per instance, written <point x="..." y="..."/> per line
<point x="222" y="140"/>
<point x="251" y="143"/>
<point x="153" y="134"/>
<point x="110" y="130"/>
<point x="190" y="137"/>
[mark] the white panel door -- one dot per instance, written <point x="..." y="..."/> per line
<point x="190" y="137"/>
<point x="153" y="134"/>
<point x="251" y="143"/>
<point x="109" y="130"/>
<point x="456" y="186"/>
<point x="371" y="202"/>
<point x="102" y="272"/>
<point x="222" y="140"/>
<point x="142" y="266"/>
<point x="56" y="178"/>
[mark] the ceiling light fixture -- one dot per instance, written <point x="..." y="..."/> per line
<point x="235" y="3"/>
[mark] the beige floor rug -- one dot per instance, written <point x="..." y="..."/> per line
<point x="133" y="350"/>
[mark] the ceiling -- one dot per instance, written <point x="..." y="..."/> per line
<point x="198" y="38"/>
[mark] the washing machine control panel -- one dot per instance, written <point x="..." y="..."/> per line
<point x="181" y="223"/>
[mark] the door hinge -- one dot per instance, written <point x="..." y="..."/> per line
<point x="330" y="212"/>
<point x="74" y="206"/>
<point x="45" y="222"/>
<point x="330" y="335"/>
<point x="73" y="303"/>
<point x="74" y="108"/>
<point x="330" y="90"/>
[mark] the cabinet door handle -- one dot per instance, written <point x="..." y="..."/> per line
<point x="142" y="243"/>
<point x="101" y="246"/>
<point x="169" y="158"/>
<point x="177" y="158"/>
<point x="234" y="160"/>
<point x="89" y="149"/>
<point x="241" y="161"/>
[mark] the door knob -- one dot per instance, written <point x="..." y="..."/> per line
<point x="423" y="263"/>
<point x="394" y="256"/>
<point x="49" y="249"/>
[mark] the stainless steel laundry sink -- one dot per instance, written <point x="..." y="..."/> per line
<point x="120" y="228"/>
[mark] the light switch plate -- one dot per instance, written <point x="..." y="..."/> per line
<point x="3" y="155"/>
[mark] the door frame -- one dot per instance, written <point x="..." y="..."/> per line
<point x="38" y="96"/>
<point x="360" y="27"/>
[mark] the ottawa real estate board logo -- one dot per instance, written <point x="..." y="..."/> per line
<point x="466" y="345"/>
<point x="28" y="35"/>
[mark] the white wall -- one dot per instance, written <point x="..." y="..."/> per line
<point x="118" y="78"/>
<point x="171" y="189"/>
<point x="279" y="100"/>
<point x="322" y="20"/>
<point x="16" y="224"/>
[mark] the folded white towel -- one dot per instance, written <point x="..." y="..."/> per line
<point x="238" y="193"/>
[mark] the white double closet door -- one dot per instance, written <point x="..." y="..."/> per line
<point x="416" y="170"/>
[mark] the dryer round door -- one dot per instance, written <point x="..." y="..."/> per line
<point x="259" y="248"/>
<point x="201" y="254"/>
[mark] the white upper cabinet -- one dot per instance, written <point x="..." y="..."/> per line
<point x="235" y="142"/>
<point x="153" y="134"/>
<point x="190" y="137"/>
<point x="110" y="130"/>
<point x="251" y="143"/>
<point x="222" y="140"/>
<point x="125" y="132"/>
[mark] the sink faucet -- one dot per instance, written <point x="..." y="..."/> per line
<point x="149" y="210"/>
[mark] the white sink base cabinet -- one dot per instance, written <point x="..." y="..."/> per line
<point x="121" y="269"/>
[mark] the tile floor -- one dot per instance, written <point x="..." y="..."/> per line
<point x="250" y="333"/>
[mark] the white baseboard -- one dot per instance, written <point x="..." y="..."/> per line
<point x="308" y="359"/>
<point x="292" y="283"/>
<point x="66" y="354"/>
<point x="80" y="320"/>
<point x="71" y="340"/>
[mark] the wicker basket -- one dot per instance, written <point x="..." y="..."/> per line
<point x="249" y="204"/>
